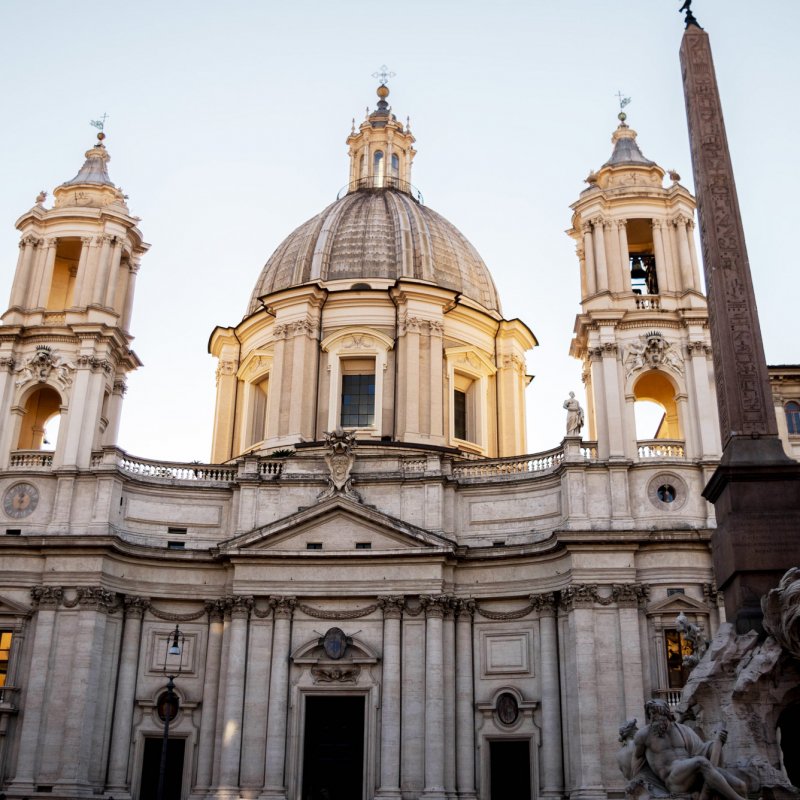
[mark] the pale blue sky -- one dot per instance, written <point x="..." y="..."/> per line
<point x="227" y="125"/>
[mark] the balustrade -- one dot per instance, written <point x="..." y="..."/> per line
<point x="661" y="448"/>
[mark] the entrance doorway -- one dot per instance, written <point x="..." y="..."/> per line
<point x="151" y="764"/>
<point x="789" y="726"/>
<point x="510" y="770"/>
<point x="333" y="752"/>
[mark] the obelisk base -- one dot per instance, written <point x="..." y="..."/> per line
<point x="756" y="495"/>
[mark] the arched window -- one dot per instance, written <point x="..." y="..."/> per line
<point x="395" y="166"/>
<point x="379" y="166"/>
<point x="792" y="411"/>
<point x="39" y="429"/>
<point x="655" y="408"/>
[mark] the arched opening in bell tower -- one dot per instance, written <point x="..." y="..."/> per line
<point x="40" y="420"/>
<point x="655" y="407"/>
<point x="642" y="257"/>
<point x="65" y="270"/>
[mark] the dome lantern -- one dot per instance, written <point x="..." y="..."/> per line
<point x="381" y="150"/>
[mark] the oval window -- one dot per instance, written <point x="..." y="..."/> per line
<point x="507" y="708"/>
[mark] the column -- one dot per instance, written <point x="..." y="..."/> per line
<point x="614" y="276"/>
<point x="436" y="371"/>
<point x="465" y="709"/>
<point x="92" y="256"/>
<point x="115" y="412"/>
<point x="390" y="699"/>
<point x="85" y="690"/>
<point x="449" y="662"/>
<point x="410" y="347"/>
<point x="233" y="707"/>
<point x="275" y="785"/>
<point x="631" y="656"/>
<point x="80" y="277"/>
<point x="600" y="255"/>
<point x="46" y="599"/>
<point x="254" y="727"/>
<point x="208" y="720"/>
<point x="101" y="273"/>
<point x="127" y="303"/>
<point x="552" y="780"/>
<point x="693" y="256"/>
<point x="624" y="257"/>
<point x="126" y="695"/>
<point x="588" y="255"/>
<point x="113" y="273"/>
<point x="665" y="283"/>
<point x="47" y="261"/>
<point x="22" y="276"/>
<point x="611" y="388"/>
<point x="684" y="257"/>
<point x="584" y="750"/>
<point x="708" y="431"/>
<point x="434" y="700"/>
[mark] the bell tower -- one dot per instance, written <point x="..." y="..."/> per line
<point x="64" y="339"/>
<point x="642" y="333"/>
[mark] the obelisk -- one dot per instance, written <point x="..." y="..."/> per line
<point x="756" y="488"/>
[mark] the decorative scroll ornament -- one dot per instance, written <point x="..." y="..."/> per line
<point x="335" y="674"/>
<point x="340" y="458"/>
<point x="41" y="365"/>
<point x="652" y="351"/>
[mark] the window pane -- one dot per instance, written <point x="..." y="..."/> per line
<point x="358" y="401"/>
<point x="460" y="414"/>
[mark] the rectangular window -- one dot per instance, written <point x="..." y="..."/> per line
<point x="5" y="652"/>
<point x="460" y="414"/>
<point x="358" y="401"/>
<point x="677" y="649"/>
<point x="313" y="545"/>
<point x="176" y="545"/>
<point x="363" y="545"/>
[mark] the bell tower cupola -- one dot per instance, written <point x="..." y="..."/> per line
<point x="64" y="339"/>
<point x="381" y="150"/>
<point x="642" y="333"/>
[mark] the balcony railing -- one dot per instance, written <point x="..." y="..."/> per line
<point x="661" y="448"/>
<point x="648" y="302"/>
<point x="672" y="696"/>
<point x="381" y="182"/>
<point x="31" y="459"/>
<point x="539" y="462"/>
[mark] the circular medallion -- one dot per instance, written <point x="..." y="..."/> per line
<point x="507" y="708"/>
<point x="667" y="491"/>
<point x="20" y="500"/>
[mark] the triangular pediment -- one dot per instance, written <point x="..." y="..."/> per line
<point x="11" y="608"/>
<point x="675" y="604"/>
<point x="339" y="525"/>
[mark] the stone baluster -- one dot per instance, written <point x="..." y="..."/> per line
<point x="275" y="786"/>
<point x="465" y="708"/>
<point x="390" y="699"/>
<point x="121" y="734"/>
<point x="233" y="707"/>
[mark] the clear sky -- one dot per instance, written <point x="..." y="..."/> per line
<point x="227" y="125"/>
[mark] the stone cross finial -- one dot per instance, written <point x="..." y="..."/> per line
<point x="383" y="75"/>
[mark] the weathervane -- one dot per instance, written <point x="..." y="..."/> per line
<point x="690" y="18"/>
<point x="623" y="101"/>
<point x="100" y="124"/>
<point x="383" y="74"/>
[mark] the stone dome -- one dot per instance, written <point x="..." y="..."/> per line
<point x="378" y="233"/>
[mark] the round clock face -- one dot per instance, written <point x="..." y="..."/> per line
<point x="20" y="500"/>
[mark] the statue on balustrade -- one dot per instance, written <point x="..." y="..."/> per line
<point x="574" y="415"/>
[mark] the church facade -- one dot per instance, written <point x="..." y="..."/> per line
<point x="372" y="591"/>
